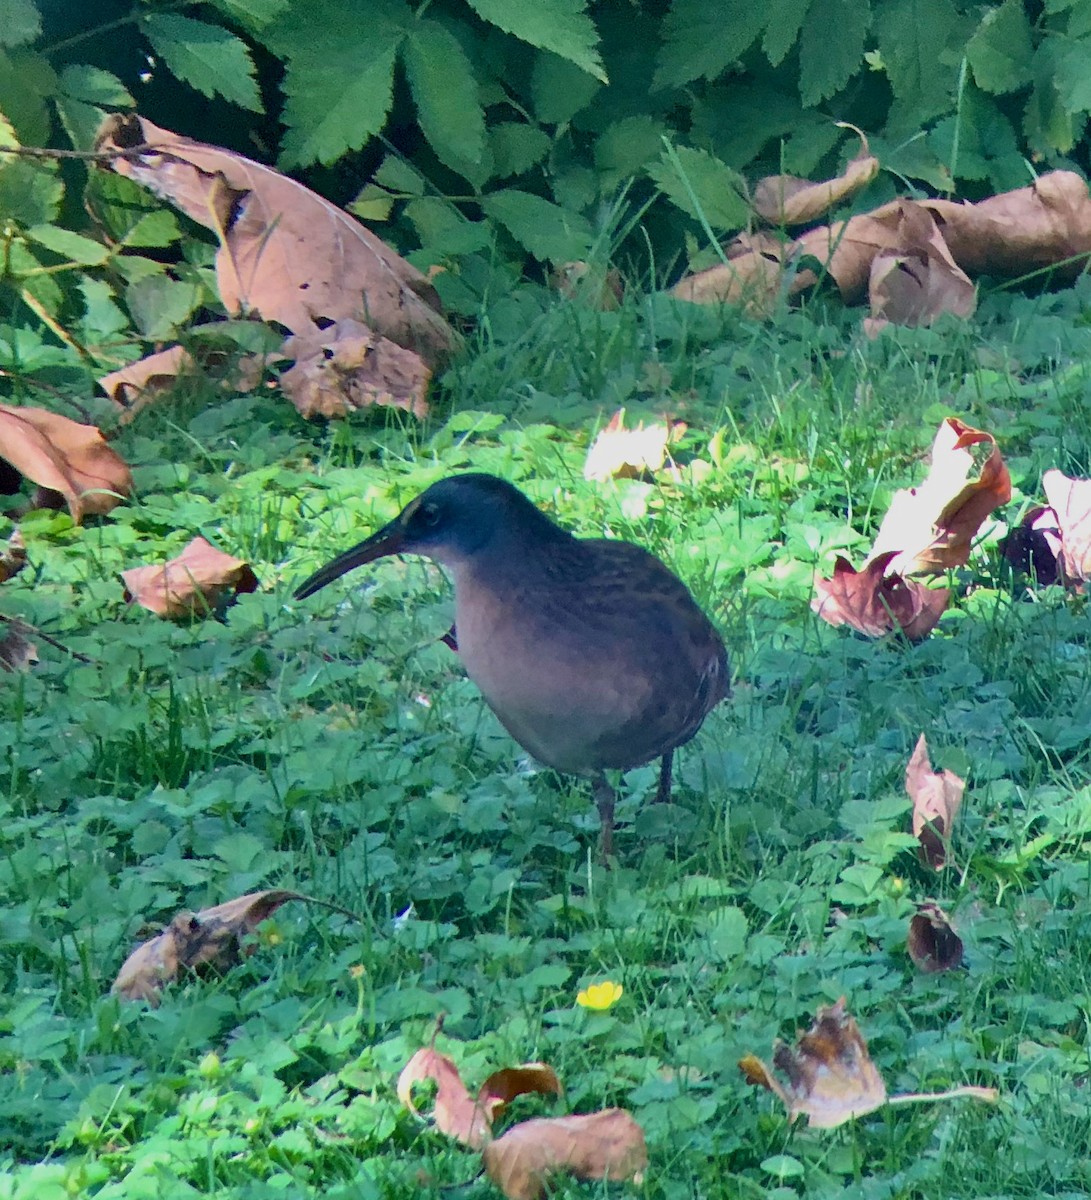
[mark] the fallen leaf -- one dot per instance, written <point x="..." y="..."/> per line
<point x="931" y="528"/>
<point x="603" y="1145"/>
<point x="347" y="366"/>
<point x="190" y="585"/>
<point x="502" y="1086"/>
<point x="789" y="200"/>
<point x="831" y="1077"/>
<point x="285" y="252"/>
<point x="454" y="1110"/>
<point x="17" y="652"/>
<point x="874" y="603"/>
<point x="846" y="249"/>
<point x="1047" y="224"/>
<point x="13" y="558"/>
<point x="70" y="461"/>
<point x="211" y="938"/>
<point x="937" y="797"/>
<point x="620" y="453"/>
<point x="1070" y="500"/>
<point x="1033" y="547"/>
<point x="755" y="274"/>
<point x="915" y="280"/>
<point x="135" y="386"/>
<point x="931" y="943"/>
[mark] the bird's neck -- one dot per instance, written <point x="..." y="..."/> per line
<point x="513" y="554"/>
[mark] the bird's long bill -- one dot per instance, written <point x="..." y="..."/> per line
<point x="387" y="540"/>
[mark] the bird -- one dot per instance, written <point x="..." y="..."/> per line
<point x="592" y="653"/>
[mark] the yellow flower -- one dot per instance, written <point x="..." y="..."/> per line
<point x="600" y="996"/>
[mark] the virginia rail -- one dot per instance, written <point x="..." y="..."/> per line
<point x="593" y="655"/>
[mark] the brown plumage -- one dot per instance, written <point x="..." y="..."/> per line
<point x="593" y="655"/>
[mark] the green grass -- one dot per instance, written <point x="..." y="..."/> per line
<point x="334" y="747"/>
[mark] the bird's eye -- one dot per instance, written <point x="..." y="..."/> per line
<point x="429" y="515"/>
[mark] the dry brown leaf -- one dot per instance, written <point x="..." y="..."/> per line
<point x="13" y="558"/>
<point x="454" y="1111"/>
<point x="789" y="200"/>
<point x="620" y="453"/>
<point x="914" y="280"/>
<point x="874" y="603"/>
<point x="830" y="1074"/>
<point x="847" y="248"/>
<point x="17" y="652"/>
<point x="211" y="938"/>
<point x="1021" y="231"/>
<point x="937" y="797"/>
<point x="1034" y="545"/>
<point x="502" y="1086"/>
<point x="752" y="277"/>
<point x="931" y="943"/>
<point x="190" y="585"/>
<point x="68" y="460"/>
<point x="135" y="386"/>
<point x="931" y="528"/>
<point x="285" y="252"/>
<point x="347" y="366"/>
<point x="603" y="1145"/>
<point x="1070" y="501"/>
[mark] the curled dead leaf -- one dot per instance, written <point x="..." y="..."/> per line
<point x="831" y="1077"/>
<point x="937" y="797"/>
<point x="1033" y="547"/>
<point x="70" y="461"/>
<point x="502" y="1086"/>
<point x="931" y="528"/>
<point x="915" y="280"/>
<point x="875" y="603"/>
<point x="931" y="942"/>
<point x="454" y="1110"/>
<point x="212" y="938"/>
<point x="17" y="652"/>
<point x="753" y="277"/>
<point x="1070" y="501"/>
<point x="347" y="366"/>
<point x="191" y="585"/>
<point x="602" y="1145"/>
<point x="13" y="558"/>
<point x="137" y="385"/>
<point x="789" y="200"/>
<point x="620" y="453"/>
<point x="285" y="252"/>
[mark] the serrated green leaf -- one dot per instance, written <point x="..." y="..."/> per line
<point x="80" y="121"/>
<point x="443" y="230"/>
<point x="339" y="80"/>
<point x="559" y="90"/>
<point x="702" y="185"/>
<point x="26" y="82"/>
<point x="396" y="175"/>
<point x="153" y="230"/>
<point x="70" y="245"/>
<point x="102" y="318"/>
<point x="1049" y="124"/>
<point x="626" y="147"/>
<point x="30" y="192"/>
<point x="20" y="22"/>
<point x="736" y="121"/>
<point x="831" y="47"/>
<point x="253" y="15"/>
<point x="127" y="212"/>
<point x="1072" y="73"/>
<point x="441" y="80"/>
<point x="549" y="232"/>
<point x="516" y="147"/>
<point x="701" y="39"/>
<point x="207" y="57"/>
<point x="785" y="22"/>
<point x="561" y="26"/>
<point x="159" y="305"/>
<point x="371" y="204"/>
<point x="95" y="86"/>
<point x="913" y="35"/>
<point x="27" y="275"/>
<point x="1000" y="50"/>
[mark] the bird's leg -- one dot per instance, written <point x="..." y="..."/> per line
<point x="663" y="792"/>
<point x="605" y="796"/>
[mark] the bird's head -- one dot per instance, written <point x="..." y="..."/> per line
<point x="451" y="522"/>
